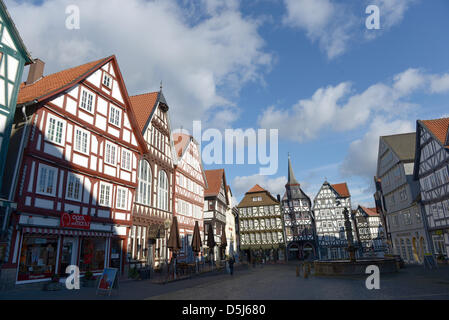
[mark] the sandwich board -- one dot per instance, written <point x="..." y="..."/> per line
<point x="108" y="281"/>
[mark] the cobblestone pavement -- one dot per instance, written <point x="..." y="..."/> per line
<point x="268" y="283"/>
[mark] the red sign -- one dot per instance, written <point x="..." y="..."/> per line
<point x="75" y="221"/>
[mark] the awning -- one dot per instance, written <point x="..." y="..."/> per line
<point x="63" y="232"/>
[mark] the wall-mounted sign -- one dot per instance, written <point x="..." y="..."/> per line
<point x="75" y="221"/>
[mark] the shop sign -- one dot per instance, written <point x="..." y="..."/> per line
<point x="75" y="221"/>
<point x="439" y="232"/>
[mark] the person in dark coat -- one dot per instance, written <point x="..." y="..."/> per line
<point x="231" y="264"/>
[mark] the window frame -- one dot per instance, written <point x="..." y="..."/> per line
<point x="148" y="184"/>
<point x="88" y="92"/>
<point x="106" y="185"/>
<point x="63" y="133"/>
<point x="113" y="108"/>
<point x="108" y="76"/>
<point x="80" y="179"/>
<point x="106" y="161"/>
<point x="55" y="180"/>
<point x="124" y="150"/>
<point x="121" y="190"/>
<point x="83" y="131"/>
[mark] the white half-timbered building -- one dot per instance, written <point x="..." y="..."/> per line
<point x="261" y="226"/>
<point x="300" y="231"/>
<point x="153" y="208"/>
<point x="189" y="192"/>
<point x="216" y="204"/>
<point x="78" y="171"/>
<point x="370" y="232"/>
<point x="328" y="208"/>
<point x="431" y="169"/>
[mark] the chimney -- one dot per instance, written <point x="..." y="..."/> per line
<point x="279" y="198"/>
<point x="36" y="71"/>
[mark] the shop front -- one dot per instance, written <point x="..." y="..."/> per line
<point x="47" y="252"/>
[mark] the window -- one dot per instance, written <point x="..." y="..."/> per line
<point x="105" y="195"/>
<point x="257" y="199"/>
<point x="87" y="100"/>
<point x="163" y="191"/>
<point x="122" y="198"/>
<point x="107" y="80"/>
<point x="81" y="141"/>
<point x="114" y="116"/>
<point x="46" y="180"/>
<point x="74" y="187"/>
<point x="55" y="130"/>
<point x="407" y="218"/>
<point x="126" y="159"/>
<point x="110" y="153"/>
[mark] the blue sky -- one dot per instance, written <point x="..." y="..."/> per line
<point x="308" y="68"/>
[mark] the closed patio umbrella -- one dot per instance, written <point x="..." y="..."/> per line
<point x="196" y="243"/>
<point x="224" y="241"/>
<point x="211" y="239"/>
<point x="174" y="241"/>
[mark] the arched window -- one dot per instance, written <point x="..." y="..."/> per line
<point x="145" y="177"/>
<point x="162" y="194"/>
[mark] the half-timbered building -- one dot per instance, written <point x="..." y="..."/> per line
<point x="216" y="203"/>
<point x="400" y="194"/>
<point x="261" y="226"/>
<point x="299" y="221"/>
<point x="13" y="57"/>
<point x="78" y="171"/>
<point x="431" y="170"/>
<point x="370" y="231"/>
<point x="189" y="192"/>
<point x="328" y="207"/>
<point x="231" y="237"/>
<point x="153" y="208"/>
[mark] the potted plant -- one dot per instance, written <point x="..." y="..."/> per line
<point x="54" y="284"/>
<point x="89" y="280"/>
<point x="441" y="259"/>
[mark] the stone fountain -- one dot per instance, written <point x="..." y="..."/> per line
<point x="353" y="266"/>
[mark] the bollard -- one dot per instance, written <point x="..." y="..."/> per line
<point x="306" y="274"/>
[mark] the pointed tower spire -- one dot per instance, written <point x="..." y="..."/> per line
<point x="291" y="176"/>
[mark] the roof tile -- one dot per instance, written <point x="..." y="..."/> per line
<point x="439" y="128"/>
<point x="143" y="106"/>
<point x="342" y="189"/>
<point x="55" y="82"/>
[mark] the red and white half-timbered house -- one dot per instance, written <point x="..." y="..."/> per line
<point x="153" y="207"/>
<point x="189" y="192"/>
<point x="78" y="172"/>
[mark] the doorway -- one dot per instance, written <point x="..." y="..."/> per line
<point x="68" y="254"/>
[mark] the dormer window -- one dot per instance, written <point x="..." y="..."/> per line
<point x="107" y="80"/>
<point x="257" y="199"/>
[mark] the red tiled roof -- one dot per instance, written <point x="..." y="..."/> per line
<point x="56" y="82"/>
<point x="342" y="189"/>
<point x="370" y="211"/>
<point x="256" y="188"/>
<point x="181" y="140"/>
<point x="143" y="105"/>
<point x="439" y="128"/>
<point x="214" y="181"/>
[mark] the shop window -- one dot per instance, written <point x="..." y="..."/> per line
<point x="92" y="254"/>
<point x="37" y="258"/>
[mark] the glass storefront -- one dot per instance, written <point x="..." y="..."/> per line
<point x="92" y="254"/>
<point x="37" y="257"/>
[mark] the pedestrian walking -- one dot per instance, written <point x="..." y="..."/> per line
<point x="231" y="264"/>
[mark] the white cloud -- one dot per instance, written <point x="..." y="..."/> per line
<point x="392" y="11"/>
<point x="338" y="108"/>
<point x="361" y="159"/>
<point x="324" y="21"/>
<point x="335" y="24"/>
<point x="241" y="185"/>
<point x="439" y="84"/>
<point x="204" y="52"/>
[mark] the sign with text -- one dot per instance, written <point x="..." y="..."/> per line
<point x="75" y="221"/>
